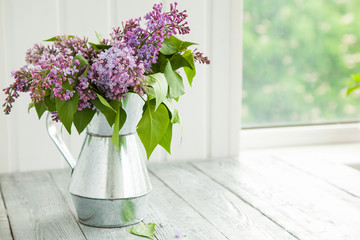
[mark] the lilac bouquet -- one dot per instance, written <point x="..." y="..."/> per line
<point x="73" y="78"/>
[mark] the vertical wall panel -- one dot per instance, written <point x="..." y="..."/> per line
<point x="219" y="99"/>
<point x="225" y="78"/>
<point x="4" y="139"/>
<point x="192" y="106"/>
<point x="84" y="17"/>
<point x="27" y="22"/>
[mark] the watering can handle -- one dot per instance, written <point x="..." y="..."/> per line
<point x="55" y="136"/>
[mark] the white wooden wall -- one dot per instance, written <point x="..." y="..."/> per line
<point x="210" y="109"/>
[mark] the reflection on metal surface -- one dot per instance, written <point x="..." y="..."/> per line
<point x="109" y="186"/>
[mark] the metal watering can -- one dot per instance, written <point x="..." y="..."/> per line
<point x="109" y="186"/>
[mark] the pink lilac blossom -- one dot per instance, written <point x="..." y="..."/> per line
<point x="21" y="84"/>
<point x="147" y="42"/>
<point x="74" y="45"/>
<point x="59" y="69"/>
<point x="115" y="71"/>
<point x="199" y="57"/>
<point x="46" y="74"/>
<point x="85" y="94"/>
<point x="33" y="55"/>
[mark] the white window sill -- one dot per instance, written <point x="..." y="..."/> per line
<point x="341" y="153"/>
<point x="299" y="136"/>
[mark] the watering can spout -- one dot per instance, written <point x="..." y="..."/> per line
<point x="55" y="136"/>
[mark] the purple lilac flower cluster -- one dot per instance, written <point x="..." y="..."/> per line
<point x="199" y="57"/>
<point x="122" y="67"/>
<point x="33" y="55"/>
<point x="73" y="45"/>
<point x="46" y="75"/>
<point x="49" y="67"/>
<point x="147" y="42"/>
<point x="116" y="70"/>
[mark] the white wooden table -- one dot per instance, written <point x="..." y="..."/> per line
<point x="254" y="198"/>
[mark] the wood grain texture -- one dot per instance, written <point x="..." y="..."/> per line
<point x="229" y="214"/>
<point x="5" y="232"/>
<point x="36" y="209"/>
<point x="166" y="208"/>
<point x="304" y="205"/>
<point x="339" y="175"/>
<point x="62" y="180"/>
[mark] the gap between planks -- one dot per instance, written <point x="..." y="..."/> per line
<point x="36" y="209"/>
<point x="233" y="217"/>
<point x="5" y="226"/>
<point x="304" y="205"/>
<point x="244" y="200"/>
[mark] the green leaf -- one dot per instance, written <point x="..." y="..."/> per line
<point x="67" y="86"/>
<point x="351" y="89"/>
<point x="55" y="38"/>
<point x="31" y="105"/>
<point x="190" y="72"/>
<point x="173" y="45"/>
<point x="83" y="62"/>
<point x="50" y="104"/>
<point x="158" y="82"/>
<point x="160" y="64"/>
<point x="99" y="46"/>
<point x="143" y="230"/>
<point x="178" y="61"/>
<point x="356" y="77"/>
<point x="166" y="139"/>
<point x="175" y="117"/>
<point x="83" y="118"/>
<point x="175" y="82"/>
<point x="98" y="36"/>
<point x="150" y="92"/>
<point x="84" y="65"/>
<point x="119" y="122"/>
<point x="104" y="102"/>
<point x="40" y="108"/>
<point x="353" y="85"/>
<point x="152" y="126"/>
<point x="103" y="106"/>
<point x="66" y="110"/>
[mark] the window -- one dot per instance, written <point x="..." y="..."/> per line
<point x="297" y="59"/>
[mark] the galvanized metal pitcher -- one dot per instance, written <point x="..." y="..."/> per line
<point x="109" y="186"/>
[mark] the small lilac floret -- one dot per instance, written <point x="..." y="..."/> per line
<point x="164" y="223"/>
<point x="179" y="234"/>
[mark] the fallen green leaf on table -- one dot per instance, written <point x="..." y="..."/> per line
<point x="143" y="230"/>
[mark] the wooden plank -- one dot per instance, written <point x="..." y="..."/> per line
<point x="339" y="175"/>
<point x="62" y="180"/>
<point x="227" y="212"/>
<point x="164" y="207"/>
<point x="307" y="207"/>
<point x="36" y="209"/>
<point x="5" y="232"/>
<point x="168" y="208"/>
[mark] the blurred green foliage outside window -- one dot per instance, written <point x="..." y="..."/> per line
<point x="298" y="56"/>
